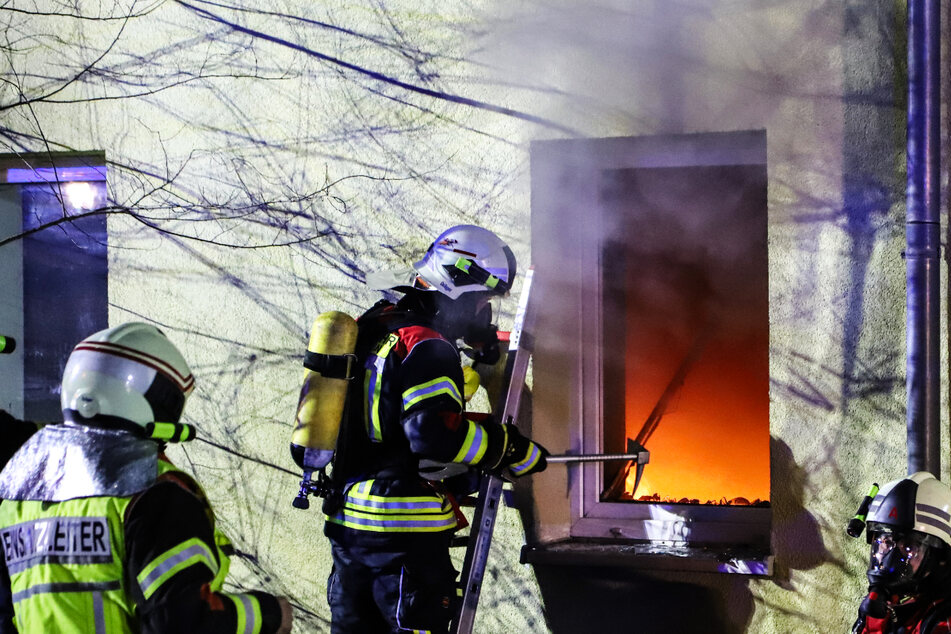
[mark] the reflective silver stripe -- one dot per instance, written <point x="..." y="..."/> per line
<point x="55" y="559"/>
<point x="99" y="614"/>
<point x="53" y="588"/>
<point x="198" y="552"/>
<point x="399" y="609"/>
<point x="57" y="540"/>
<point x="248" y="620"/>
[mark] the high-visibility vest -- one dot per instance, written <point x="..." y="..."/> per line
<point x="65" y="561"/>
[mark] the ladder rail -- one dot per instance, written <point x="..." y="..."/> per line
<point x="490" y="488"/>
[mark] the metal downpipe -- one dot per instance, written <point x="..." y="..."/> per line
<point x="922" y="235"/>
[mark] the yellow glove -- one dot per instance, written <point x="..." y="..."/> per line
<point x="470" y="382"/>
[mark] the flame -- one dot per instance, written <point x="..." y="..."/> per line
<point x="712" y="444"/>
<point x="691" y="292"/>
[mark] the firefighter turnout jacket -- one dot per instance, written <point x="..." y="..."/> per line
<point x="407" y="405"/>
<point x="149" y="561"/>
<point x="920" y="616"/>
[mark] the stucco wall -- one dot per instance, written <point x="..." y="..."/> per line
<point x="277" y="155"/>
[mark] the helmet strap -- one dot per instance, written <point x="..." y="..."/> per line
<point x="102" y="421"/>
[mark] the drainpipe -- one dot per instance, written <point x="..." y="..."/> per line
<point x="922" y="228"/>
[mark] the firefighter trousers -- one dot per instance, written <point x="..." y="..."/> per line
<point x="390" y="583"/>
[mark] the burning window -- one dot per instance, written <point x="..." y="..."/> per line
<point x="685" y="329"/>
<point x="653" y="335"/>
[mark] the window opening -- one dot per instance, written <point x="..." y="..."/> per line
<point x="686" y="334"/>
<point x="54" y="281"/>
<point x="651" y="259"/>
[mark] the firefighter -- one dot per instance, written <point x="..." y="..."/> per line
<point x="389" y="526"/>
<point x="13" y="433"/>
<point x="909" y="572"/>
<point x="100" y="533"/>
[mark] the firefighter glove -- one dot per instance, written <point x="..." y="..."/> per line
<point x="483" y="342"/>
<point x="520" y="455"/>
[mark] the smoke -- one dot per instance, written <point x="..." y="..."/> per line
<point x="617" y="65"/>
<point x="646" y="242"/>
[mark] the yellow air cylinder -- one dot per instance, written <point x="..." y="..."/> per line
<point x="323" y="398"/>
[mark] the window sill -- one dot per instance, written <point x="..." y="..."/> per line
<point x="652" y="556"/>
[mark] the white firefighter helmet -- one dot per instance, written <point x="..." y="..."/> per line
<point x="909" y="529"/>
<point x="463" y="259"/>
<point x="126" y="374"/>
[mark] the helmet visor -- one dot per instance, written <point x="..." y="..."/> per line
<point x="897" y="556"/>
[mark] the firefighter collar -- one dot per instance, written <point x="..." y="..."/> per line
<point x="67" y="461"/>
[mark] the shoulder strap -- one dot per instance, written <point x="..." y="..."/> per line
<point x="355" y="455"/>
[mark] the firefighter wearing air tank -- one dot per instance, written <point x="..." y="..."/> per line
<point x="389" y="526"/>
<point x="99" y="532"/>
<point x="909" y="571"/>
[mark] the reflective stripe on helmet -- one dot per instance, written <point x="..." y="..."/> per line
<point x="933" y="516"/>
<point x="185" y="382"/>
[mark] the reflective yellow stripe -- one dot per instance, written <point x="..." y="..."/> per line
<point x="52" y="579"/>
<point x="474" y="446"/>
<point x="249" y="613"/>
<point x="527" y="463"/>
<point x="378" y="513"/>
<point x="173" y="560"/>
<point x="431" y="389"/>
<point x="222" y="543"/>
<point x="388" y="504"/>
<point x="413" y="524"/>
<point x="372" y="386"/>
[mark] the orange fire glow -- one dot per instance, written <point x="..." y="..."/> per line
<point x="713" y="442"/>
<point x="688" y="300"/>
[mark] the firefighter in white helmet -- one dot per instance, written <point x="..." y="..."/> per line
<point x="389" y="526"/>
<point x="909" y="572"/>
<point x="100" y="533"/>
